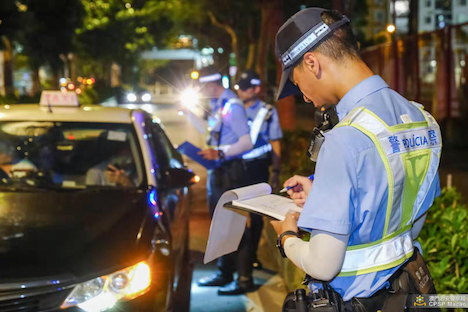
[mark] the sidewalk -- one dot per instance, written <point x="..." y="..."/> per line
<point x="271" y="292"/>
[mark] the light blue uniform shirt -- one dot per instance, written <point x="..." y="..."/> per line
<point x="350" y="190"/>
<point x="271" y="129"/>
<point x="234" y="120"/>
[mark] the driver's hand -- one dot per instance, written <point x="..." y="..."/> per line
<point x="117" y="176"/>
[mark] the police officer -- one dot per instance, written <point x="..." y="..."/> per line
<point x="265" y="133"/>
<point x="229" y="138"/>
<point x="377" y="170"/>
<point x="228" y="135"/>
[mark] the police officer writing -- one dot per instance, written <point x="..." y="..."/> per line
<point x="265" y="133"/>
<point x="376" y="174"/>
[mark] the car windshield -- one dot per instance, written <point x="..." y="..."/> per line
<point x="69" y="155"/>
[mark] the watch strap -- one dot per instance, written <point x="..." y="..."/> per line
<point x="280" y="238"/>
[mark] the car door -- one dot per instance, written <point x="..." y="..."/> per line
<point x="174" y="198"/>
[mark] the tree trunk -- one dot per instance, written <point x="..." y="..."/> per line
<point x="263" y="43"/>
<point x="250" y="57"/>
<point x="36" y="83"/>
<point x="231" y="32"/>
<point x="286" y="106"/>
<point x="8" y="67"/>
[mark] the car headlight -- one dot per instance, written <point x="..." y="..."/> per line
<point x="103" y="292"/>
<point x="189" y="98"/>
<point x="131" y="97"/>
<point x="146" y="97"/>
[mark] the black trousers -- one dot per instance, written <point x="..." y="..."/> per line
<point x="231" y="174"/>
<point x="257" y="171"/>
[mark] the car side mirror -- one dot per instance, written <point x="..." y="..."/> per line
<point x="179" y="177"/>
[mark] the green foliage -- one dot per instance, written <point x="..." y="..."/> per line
<point x="444" y="239"/>
<point x="88" y="96"/>
<point x="294" y="159"/>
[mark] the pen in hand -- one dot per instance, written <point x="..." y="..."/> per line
<point x="287" y="188"/>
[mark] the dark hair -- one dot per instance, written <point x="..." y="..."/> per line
<point x="339" y="44"/>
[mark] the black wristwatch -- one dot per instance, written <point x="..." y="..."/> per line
<point x="280" y="238"/>
<point x="221" y="155"/>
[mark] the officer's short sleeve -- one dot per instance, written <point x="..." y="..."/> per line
<point x="236" y="117"/>
<point x="330" y="203"/>
<point x="274" y="131"/>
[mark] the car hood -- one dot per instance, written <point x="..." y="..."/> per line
<point x="69" y="232"/>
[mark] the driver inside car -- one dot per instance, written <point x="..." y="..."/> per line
<point x="116" y="170"/>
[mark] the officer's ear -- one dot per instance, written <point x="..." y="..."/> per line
<point x="311" y="62"/>
<point x="257" y="89"/>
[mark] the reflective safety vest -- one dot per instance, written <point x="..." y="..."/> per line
<point x="215" y="120"/>
<point x="410" y="153"/>
<point x="263" y="114"/>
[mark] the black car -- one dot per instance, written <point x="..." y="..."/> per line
<point x="93" y="211"/>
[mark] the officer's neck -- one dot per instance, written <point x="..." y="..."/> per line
<point x="351" y="74"/>
<point x="250" y="102"/>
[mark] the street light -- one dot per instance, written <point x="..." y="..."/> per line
<point x="391" y="28"/>
<point x="194" y="75"/>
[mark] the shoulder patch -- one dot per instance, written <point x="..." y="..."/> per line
<point x="236" y="101"/>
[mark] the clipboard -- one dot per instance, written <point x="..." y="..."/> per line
<point x="243" y="210"/>
<point x="191" y="151"/>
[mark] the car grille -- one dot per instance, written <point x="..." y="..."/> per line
<point x="24" y="305"/>
<point x="44" y="302"/>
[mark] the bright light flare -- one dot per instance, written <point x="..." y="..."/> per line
<point x="391" y="28"/>
<point x="189" y="98"/>
<point x="131" y="97"/>
<point x="146" y="97"/>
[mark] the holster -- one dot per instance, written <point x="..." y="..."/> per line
<point x="412" y="278"/>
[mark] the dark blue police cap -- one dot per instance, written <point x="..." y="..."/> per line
<point x="248" y="79"/>
<point x="302" y="32"/>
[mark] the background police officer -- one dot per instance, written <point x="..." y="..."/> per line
<point x="228" y="135"/>
<point x="265" y="133"/>
<point x="229" y="138"/>
<point x="372" y="188"/>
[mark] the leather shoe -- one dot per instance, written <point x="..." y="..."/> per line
<point x="237" y="288"/>
<point x="215" y="280"/>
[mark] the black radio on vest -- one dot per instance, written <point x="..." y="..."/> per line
<point x="325" y="118"/>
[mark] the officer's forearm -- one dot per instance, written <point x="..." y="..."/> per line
<point x="242" y="145"/>
<point x="199" y="124"/>
<point x="276" y="156"/>
<point x="322" y="257"/>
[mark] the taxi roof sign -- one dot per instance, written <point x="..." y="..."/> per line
<point x="59" y="98"/>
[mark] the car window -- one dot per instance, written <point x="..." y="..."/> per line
<point x="69" y="155"/>
<point x="171" y="157"/>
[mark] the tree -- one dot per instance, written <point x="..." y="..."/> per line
<point x="9" y="25"/>
<point x="117" y="32"/>
<point x="47" y="33"/>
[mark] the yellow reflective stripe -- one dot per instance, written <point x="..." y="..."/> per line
<point x="383" y="239"/>
<point x="416" y="165"/>
<point x="408" y="126"/>
<point x="379" y="267"/>
<point x="421" y="108"/>
<point x="388" y="169"/>
<point x="400" y="127"/>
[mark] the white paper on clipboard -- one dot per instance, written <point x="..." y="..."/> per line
<point x="227" y="226"/>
